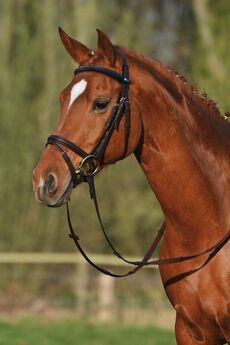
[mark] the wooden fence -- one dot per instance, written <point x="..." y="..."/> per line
<point x="105" y="284"/>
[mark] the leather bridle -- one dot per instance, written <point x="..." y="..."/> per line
<point x="91" y="162"/>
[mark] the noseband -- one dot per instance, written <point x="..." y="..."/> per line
<point x="90" y="164"/>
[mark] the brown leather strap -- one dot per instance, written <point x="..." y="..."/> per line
<point x="147" y="256"/>
<point x="213" y="251"/>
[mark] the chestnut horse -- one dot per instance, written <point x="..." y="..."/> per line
<point x="183" y="146"/>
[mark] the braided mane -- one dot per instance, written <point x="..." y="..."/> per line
<point x="180" y="84"/>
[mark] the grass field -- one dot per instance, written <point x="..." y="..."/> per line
<point x="69" y="332"/>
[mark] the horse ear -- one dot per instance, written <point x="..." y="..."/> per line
<point x="77" y="50"/>
<point x="106" y="47"/>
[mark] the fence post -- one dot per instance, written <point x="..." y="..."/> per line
<point x="80" y="288"/>
<point x="105" y="297"/>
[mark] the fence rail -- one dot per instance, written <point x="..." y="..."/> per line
<point x="63" y="258"/>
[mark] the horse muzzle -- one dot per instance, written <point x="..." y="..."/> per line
<point x="49" y="191"/>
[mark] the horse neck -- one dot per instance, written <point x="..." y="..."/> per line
<point x="181" y="158"/>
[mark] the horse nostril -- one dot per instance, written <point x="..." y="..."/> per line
<point x="51" y="183"/>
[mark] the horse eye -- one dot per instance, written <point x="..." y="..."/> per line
<point x="100" y="105"/>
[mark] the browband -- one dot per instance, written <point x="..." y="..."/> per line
<point x="115" y="75"/>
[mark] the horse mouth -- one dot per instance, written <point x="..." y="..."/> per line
<point x="65" y="196"/>
<point x="68" y="187"/>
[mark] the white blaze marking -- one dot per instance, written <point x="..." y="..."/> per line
<point x="77" y="90"/>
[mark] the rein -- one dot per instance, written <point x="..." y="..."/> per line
<point x="89" y="167"/>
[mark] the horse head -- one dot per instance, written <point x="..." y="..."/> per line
<point x="94" y="129"/>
